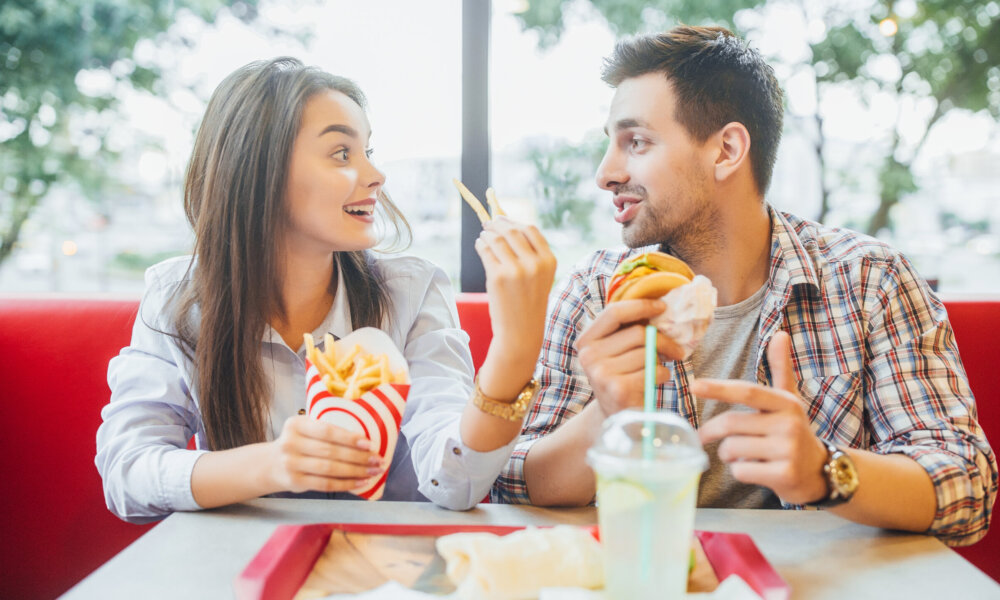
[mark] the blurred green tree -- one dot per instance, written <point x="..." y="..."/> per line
<point x="944" y="51"/>
<point x="559" y="172"/>
<point x="51" y="132"/>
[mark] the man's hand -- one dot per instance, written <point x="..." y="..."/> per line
<point x="612" y="353"/>
<point x="775" y="446"/>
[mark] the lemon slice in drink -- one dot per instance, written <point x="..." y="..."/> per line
<point x="619" y="495"/>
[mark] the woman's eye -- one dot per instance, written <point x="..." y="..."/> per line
<point x="369" y="152"/>
<point x="340" y="154"/>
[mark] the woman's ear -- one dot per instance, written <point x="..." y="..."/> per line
<point x="734" y="150"/>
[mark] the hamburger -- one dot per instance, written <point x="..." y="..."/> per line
<point x="649" y="275"/>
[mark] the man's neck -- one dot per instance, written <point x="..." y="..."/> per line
<point x="739" y="263"/>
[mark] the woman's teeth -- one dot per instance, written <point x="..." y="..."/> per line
<point x="360" y="209"/>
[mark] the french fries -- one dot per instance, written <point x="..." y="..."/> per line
<point x="349" y="373"/>
<point x="477" y="206"/>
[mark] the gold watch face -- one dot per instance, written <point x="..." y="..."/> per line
<point x="844" y="477"/>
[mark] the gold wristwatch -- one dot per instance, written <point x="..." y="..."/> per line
<point x="841" y="477"/>
<point x="510" y="410"/>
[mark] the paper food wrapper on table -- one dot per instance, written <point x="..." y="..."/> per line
<point x="689" y="313"/>
<point x="484" y="566"/>
<point x="377" y="414"/>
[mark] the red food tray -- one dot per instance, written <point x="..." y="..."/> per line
<point x="282" y="564"/>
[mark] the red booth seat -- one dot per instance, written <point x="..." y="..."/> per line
<point x="54" y="352"/>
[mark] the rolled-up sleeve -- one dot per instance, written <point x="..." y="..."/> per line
<point x="449" y="473"/>
<point x="920" y="404"/>
<point x="142" y="453"/>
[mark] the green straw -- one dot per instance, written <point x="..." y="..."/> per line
<point x="649" y="390"/>
<point x="649" y="406"/>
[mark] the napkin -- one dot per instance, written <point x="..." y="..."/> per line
<point x="688" y="314"/>
<point x="484" y="566"/>
<point x="378" y="414"/>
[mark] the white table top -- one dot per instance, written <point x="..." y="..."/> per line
<point x="198" y="555"/>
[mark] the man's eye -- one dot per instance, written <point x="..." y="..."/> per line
<point x="638" y="144"/>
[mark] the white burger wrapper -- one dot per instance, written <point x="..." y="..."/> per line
<point x="378" y="414"/>
<point x="485" y="566"/>
<point x="689" y="313"/>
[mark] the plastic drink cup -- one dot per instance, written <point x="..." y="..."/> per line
<point x="648" y="465"/>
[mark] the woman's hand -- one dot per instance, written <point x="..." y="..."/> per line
<point x="520" y="269"/>
<point x="313" y="455"/>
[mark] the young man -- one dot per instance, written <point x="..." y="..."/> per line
<point x="830" y="375"/>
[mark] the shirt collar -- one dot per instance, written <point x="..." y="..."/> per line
<point x="790" y="260"/>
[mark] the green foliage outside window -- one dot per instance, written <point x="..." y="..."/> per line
<point x="51" y="132"/>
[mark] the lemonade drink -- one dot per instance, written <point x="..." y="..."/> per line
<point x="646" y="495"/>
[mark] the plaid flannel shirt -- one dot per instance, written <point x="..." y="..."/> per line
<point x="874" y="355"/>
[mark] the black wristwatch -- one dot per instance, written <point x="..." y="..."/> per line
<point x="841" y="477"/>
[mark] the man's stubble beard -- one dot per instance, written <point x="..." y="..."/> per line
<point x="691" y="238"/>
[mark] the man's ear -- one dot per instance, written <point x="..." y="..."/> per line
<point x="734" y="150"/>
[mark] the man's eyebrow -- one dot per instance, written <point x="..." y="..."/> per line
<point x="629" y="123"/>
<point x="339" y="128"/>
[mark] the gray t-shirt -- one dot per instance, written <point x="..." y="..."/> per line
<point x="727" y="352"/>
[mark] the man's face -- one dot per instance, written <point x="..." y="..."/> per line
<point x="660" y="176"/>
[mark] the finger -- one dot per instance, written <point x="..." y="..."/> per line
<point x="326" y="432"/>
<point x="486" y="254"/>
<point x="617" y="314"/>
<point x="765" y="473"/>
<point x="491" y="199"/>
<point x="499" y="245"/>
<point x="667" y="348"/>
<point x="629" y="338"/>
<point x="736" y="423"/>
<point x="319" y="449"/>
<point x="537" y="240"/>
<point x="472" y="201"/>
<point x="327" y="484"/>
<point x="742" y="392"/>
<point x="625" y="363"/>
<point x="511" y="233"/>
<point x="748" y="447"/>
<point x="335" y="469"/>
<point x="779" y="358"/>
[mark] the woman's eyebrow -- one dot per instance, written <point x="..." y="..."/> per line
<point x="345" y="129"/>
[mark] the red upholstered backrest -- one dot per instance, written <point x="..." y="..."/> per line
<point x="977" y="330"/>
<point x="54" y="354"/>
<point x="474" y="315"/>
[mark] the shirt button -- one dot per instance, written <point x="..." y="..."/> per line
<point x="302" y="411"/>
<point x="456" y="451"/>
<point x="434" y="482"/>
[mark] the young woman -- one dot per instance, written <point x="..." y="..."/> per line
<point x="284" y="201"/>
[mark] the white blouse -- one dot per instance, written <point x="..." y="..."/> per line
<point x="142" y="450"/>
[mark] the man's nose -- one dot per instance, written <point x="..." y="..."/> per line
<point x="611" y="172"/>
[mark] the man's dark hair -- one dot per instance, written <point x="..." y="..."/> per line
<point x="717" y="79"/>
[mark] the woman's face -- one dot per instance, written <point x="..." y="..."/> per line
<point x="332" y="184"/>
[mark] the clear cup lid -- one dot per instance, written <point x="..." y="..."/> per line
<point x="634" y="439"/>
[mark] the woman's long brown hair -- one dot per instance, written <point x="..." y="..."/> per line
<point x="234" y="200"/>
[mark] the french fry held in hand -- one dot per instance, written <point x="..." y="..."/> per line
<point x="349" y="373"/>
<point x="477" y="206"/>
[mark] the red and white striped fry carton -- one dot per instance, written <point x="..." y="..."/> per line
<point x="378" y="414"/>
